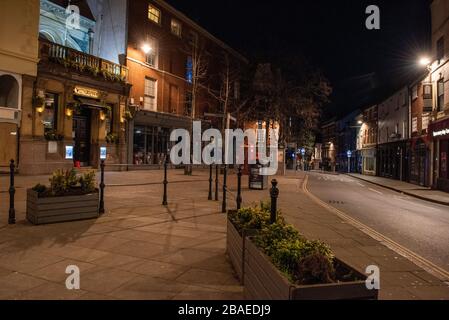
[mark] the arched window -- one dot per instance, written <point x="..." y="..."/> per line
<point x="9" y="92"/>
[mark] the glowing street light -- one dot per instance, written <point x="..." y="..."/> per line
<point x="424" y="61"/>
<point x="146" y="48"/>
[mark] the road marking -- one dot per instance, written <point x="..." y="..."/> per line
<point x="373" y="190"/>
<point x="422" y="262"/>
<point x="362" y="185"/>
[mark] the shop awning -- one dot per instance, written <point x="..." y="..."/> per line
<point x="90" y="103"/>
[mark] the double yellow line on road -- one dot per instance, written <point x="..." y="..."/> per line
<point x="427" y="265"/>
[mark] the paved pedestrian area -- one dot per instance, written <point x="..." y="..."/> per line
<point x="399" y="278"/>
<point x="138" y="249"/>
<point x="410" y="189"/>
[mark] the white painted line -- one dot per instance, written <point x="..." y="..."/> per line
<point x="375" y="191"/>
<point x="362" y="185"/>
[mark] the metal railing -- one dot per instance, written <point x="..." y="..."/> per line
<point x="80" y="60"/>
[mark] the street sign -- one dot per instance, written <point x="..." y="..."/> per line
<point x="103" y="153"/>
<point x="303" y="151"/>
<point x="349" y="153"/>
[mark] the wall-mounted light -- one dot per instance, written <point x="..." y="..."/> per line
<point x="40" y="109"/>
<point x="146" y="48"/>
<point x="102" y="115"/>
<point x="68" y="112"/>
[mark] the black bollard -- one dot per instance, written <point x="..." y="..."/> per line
<point x="210" y="183"/>
<point x="274" y="193"/>
<point x="239" y="188"/>
<point x="216" y="182"/>
<point x="225" y="174"/>
<point x="102" y="185"/>
<point x="12" y="191"/>
<point x="164" y="199"/>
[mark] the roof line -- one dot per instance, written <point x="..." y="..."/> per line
<point x="206" y="33"/>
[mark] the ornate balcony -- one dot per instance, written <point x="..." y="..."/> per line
<point x="82" y="62"/>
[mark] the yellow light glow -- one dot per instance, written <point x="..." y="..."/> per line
<point x="424" y="61"/>
<point x="68" y="112"/>
<point x="146" y="48"/>
<point x="102" y="116"/>
<point x="40" y="109"/>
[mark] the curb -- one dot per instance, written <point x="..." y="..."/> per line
<point x="401" y="191"/>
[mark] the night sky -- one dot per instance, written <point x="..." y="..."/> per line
<point x="362" y="65"/>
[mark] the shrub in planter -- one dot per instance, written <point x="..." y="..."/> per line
<point x="68" y="197"/>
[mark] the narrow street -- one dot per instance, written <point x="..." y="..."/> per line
<point x="418" y="225"/>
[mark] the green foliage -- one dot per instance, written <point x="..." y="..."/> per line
<point x="52" y="135"/>
<point x="250" y="218"/>
<point x="87" y="182"/>
<point x="112" y="138"/>
<point x="39" y="188"/>
<point x="62" y="181"/>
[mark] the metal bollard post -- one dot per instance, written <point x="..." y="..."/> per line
<point x="210" y="183"/>
<point x="225" y="173"/>
<point x="274" y="193"/>
<point x="216" y="182"/>
<point x="12" y="191"/>
<point x="164" y="199"/>
<point x="102" y="185"/>
<point x="239" y="188"/>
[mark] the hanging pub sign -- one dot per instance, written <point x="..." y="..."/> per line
<point x="86" y="92"/>
<point x="103" y="153"/>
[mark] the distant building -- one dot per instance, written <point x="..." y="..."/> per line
<point x="393" y="135"/>
<point x="329" y="145"/>
<point x="367" y="140"/>
<point x="439" y="76"/>
<point x="347" y="130"/>
<point x="420" y="96"/>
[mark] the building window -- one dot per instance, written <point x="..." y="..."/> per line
<point x="440" y="48"/>
<point x="108" y="120"/>
<point x="440" y="95"/>
<point x="427" y="91"/>
<point x="50" y="114"/>
<point x="414" y="92"/>
<point x="151" y="144"/>
<point x="188" y="106"/>
<point x="154" y="14"/>
<point x="173" y="99"/>
<point x="176" y="27"/>
<point x="149" y="102"/>
<point x="152" y="56"/>
<point x="189" y="69"/>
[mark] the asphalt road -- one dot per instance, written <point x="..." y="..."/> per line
<point x="418" y="225"/>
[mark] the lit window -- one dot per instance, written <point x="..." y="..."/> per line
<point x="50" y="112"/>
<point x="176" y="27"/>
<point x="149" y="102"/>
<point x="154" y="14"/>
<point x="189" y="69"/>
<point x="152" y="56"/>
<point x="415" y="92"/>
<point x="427" y="91"/>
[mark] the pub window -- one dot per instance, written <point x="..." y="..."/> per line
<point x="440" y="48"/>
<point x="440" y="95"/>
<point x="176" y="27"/>
<point x="108" y="120"/>
<point x="154" y="14"/>
<point x="50" y="114"/>
<point x="149" y="102"/>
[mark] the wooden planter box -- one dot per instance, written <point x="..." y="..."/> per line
<point x="59" y="209"/>
<point x="235" y="248"/>
<point x="263" y="281"/>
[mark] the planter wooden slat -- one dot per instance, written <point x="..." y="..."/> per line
<point x="264" y="277"/>
<point x="59" y="209"/>
<point x="263" y="281"/>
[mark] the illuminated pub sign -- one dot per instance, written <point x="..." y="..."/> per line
<point x="439" y="129"/>
<point x="86" y="92"/>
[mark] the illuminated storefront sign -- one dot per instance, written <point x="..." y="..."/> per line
<point x="86" y="92"/>
<point x="441" y="133"/>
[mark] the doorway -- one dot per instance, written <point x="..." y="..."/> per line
<point x="81" y="136"/>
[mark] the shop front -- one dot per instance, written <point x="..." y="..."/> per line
<point x="420" y="161"/>
<point x="393" y="160"/>
<point x="439" y="133"/>
<point x="149" y="137"/>
<point x="369" y="161"/>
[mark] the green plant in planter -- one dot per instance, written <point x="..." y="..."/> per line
<point x="62" y="181"/>
<point x="250" y="218"/>
<point x="52" y="135"/>
<point x="314" y="268"/>
<point x="87" y="182"/>
<point x="39" y="188"/>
